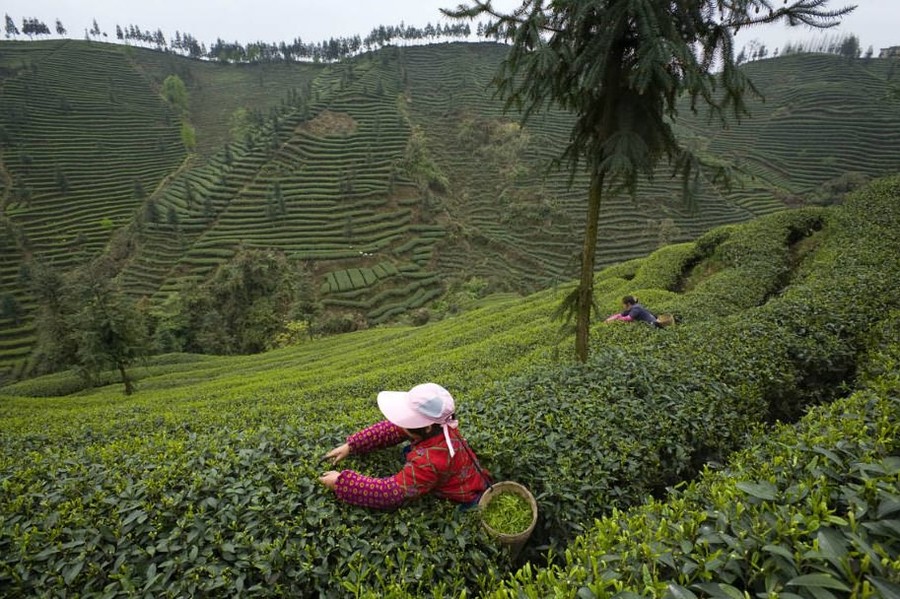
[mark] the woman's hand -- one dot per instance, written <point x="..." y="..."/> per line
<point x="338" y="453"/>
<point x="329" y="479"/>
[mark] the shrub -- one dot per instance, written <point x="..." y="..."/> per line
<point x="807" y="510"/>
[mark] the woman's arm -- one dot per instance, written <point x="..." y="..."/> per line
<point x="366" y="491"/>
<point x="418" y="477"/>
<point x="377" y="436"/>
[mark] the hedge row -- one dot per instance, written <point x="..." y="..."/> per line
<point x="809" y="511"/>
<point x="357" y="278"/>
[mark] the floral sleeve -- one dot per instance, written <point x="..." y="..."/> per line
<point x="366" y="491"/>
<point x="377" y="436"/>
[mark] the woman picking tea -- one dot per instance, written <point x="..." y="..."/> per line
<point x="438" y="459"/>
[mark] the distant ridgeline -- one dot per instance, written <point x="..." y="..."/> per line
<point x="393" y="177"/>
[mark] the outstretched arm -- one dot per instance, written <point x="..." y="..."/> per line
<point x="364" y="491"/>
<point x="382" y="434"/>
<point x="377" y="436"/>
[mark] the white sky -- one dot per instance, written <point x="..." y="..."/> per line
<point x="875" y="22"/>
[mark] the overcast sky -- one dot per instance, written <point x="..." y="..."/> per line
<point x="875" y="22"/>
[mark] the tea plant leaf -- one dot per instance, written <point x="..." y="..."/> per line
<point x="888" y="506"/>
<point x="825" y="581"/>
<point x="830" y="455"/>
<point x="780" y="551"/>
<point x="676" y="591"/>
<point x="832" y="544"/>
<point x="888" y="589"/>
<point x="761" y="490"/>
<point x="719" y="591"/>
<point x="71" y="572"/>
<point x="891" y="465"/>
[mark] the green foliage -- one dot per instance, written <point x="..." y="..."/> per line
<point x="10" y="308"/>
<point x="87" y="323"/>
<point x="610" y="66"/>
<point x="239" y="124"/>
<point x="746" y="266"/>
<point x="508" y="513"/>
<point x="419" y="165"/>
<point x="242" y="307"/>
<point x="809" y="510"/>
<point x="110" y="333"/>
<point x="208" y="482"/>
<point x="205" y="482"/>
<point x="175" y="93"/>
<point x="188" y="136"/>
<point x="520" y="241"/>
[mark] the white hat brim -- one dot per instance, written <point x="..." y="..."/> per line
<point x="395" y="407"/>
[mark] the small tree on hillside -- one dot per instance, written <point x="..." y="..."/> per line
<point x="189" y="194"/>
<point x="32" y="27"/>
<point x="85" y="322"/>
<point x="621" y="67"/>
<point x="278" y="199"/>
<point x="11" y="309"/>
<point x="55" y="346"/>
<point x="188" y="136"/>
<point x="175" y="93"/>
<point x="850" y="47"/>
<point x="110" y="330"/>
<point x="11" y="29"/>
<point x="62" y="182"/>
<point x="306" y="307"/>
<point x="172" y="217"/>
<point x="60" y="30"/>
<point x="151" y="212"/>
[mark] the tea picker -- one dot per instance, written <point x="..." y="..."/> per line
<point x="438" y="458"/>
<point x="635" y="311"/>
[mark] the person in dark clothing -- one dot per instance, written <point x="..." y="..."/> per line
<point x="633" y="310"/>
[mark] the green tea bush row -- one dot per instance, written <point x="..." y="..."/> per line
<point x="357" y="278"/>
<point x="749" y="264"/>
<point x="806" y="511"/>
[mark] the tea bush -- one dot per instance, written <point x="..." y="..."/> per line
<point x="806" y="511"/>
<point x="751" y="263"/>
<point x="204" y="482"/>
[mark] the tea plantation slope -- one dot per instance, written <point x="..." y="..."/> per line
<point x="205" y="480"/>
<point x="84" y="139"/>
<point x="318" y="182"/>
<point x="334" y="139"/>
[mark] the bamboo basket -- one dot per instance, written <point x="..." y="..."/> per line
<point x="513" y="543"/>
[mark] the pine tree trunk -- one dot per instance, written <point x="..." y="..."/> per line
<point x="129" y="387"/>
<point x="586" y="286"/>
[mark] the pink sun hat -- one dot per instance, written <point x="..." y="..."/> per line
<point x="424" y="404"/>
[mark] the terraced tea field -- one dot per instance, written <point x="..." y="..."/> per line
<point x="391" y="176"/>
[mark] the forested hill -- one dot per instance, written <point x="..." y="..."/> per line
<point x="392" y="177"/>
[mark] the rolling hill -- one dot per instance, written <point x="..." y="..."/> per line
<point x="393" y="176"/>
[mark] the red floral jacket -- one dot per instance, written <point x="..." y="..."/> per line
<point x="428" y="468"/>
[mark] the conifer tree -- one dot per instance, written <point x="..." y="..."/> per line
<point x="110" y="331"/>
<point x="11" y="29"/>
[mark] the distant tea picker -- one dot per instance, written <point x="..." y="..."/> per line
<point x="438" y="459"/>
<point x="633" y="310"/>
